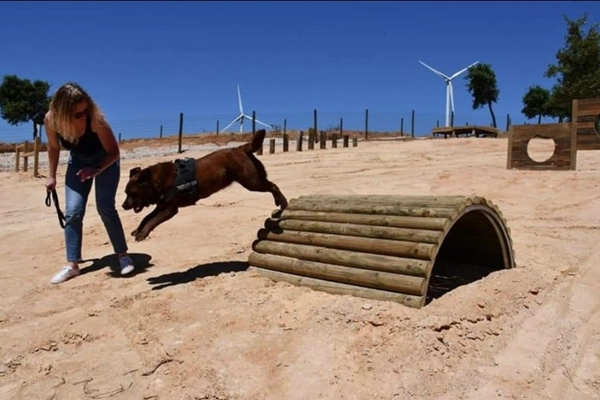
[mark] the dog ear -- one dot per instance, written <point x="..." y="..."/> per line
<point x="134" y="171"/>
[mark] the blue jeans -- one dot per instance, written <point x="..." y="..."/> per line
<point x="76" y="195"/>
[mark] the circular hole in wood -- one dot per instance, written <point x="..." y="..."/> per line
<point x="597" y="125"/>
<point x="540" y="149"/>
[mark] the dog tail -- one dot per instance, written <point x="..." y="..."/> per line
<point x="256" y="142"/>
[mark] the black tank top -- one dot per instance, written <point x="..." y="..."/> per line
<point x="88" y="147"/>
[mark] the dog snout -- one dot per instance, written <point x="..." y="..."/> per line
<point x="127" y="204"/>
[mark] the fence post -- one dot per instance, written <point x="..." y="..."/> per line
<point x="316" y="135"/>
<point x="286" y="142"/>
<point x="25" y="158"/>
<point x="36" y="155"/>
<point x="412" y="124"/>
<point x="299" y="141"/>
<point x="180" y="132"/>
<point x="17" y="157"/>
<point x="366" y="123"/>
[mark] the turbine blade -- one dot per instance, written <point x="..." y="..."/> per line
<point x="435" y="71"/>
<point x="231" y="123"/>
<point x="262" y="123"/>
<point x="463" y="70"/>
<point x="259" y="122"/>
<point x="240" y="100"/>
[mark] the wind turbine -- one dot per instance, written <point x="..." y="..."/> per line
<point x="449" y="90"/>
<point x="242" y="116"/>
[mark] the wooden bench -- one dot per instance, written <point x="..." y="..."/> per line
<point x="467" y="131"/>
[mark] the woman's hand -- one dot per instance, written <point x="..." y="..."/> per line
<point x="50" y="183"/>
<point x="87" y="173"/>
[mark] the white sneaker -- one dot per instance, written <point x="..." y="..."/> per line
<point x="126" y="265"/>
<point x="65" y="274"/>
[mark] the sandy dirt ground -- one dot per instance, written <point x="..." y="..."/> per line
<point x="193" y="323"/>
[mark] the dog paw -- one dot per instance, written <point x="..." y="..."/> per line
<point x="282" y="203"/>
<point x="134" y="232"/>
<point x="140" y="236"/>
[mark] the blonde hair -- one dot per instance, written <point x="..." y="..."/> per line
<point x="63" y="106"/>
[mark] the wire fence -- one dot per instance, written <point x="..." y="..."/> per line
<point x="409" y="122"/>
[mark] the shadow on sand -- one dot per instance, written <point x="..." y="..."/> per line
<point x="141" y="261"/>
<point x="199" y="271"/>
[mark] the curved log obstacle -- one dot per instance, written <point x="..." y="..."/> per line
<point x="408" y="249"/>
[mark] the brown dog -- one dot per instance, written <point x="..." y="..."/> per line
<point x="156" y="184"/>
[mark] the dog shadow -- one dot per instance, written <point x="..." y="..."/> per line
<point x="141" y="261"/>
<point x="197" y="272"/>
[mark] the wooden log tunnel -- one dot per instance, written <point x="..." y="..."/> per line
<point x="408" y="249"/>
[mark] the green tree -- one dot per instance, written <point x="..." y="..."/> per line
<point x="577" y="68"/>
<point x="536" y="103"/>
<point x="22" y="101"/>
<point x="483" y="87"/>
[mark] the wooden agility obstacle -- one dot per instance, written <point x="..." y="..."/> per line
<point x="23" y="151"/>
<point x="578" y="135"/>
<point x="407" y="249"/>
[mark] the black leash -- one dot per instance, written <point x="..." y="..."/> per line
<point x="61" y="216"/>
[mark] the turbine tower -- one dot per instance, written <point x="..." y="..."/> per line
<point x="449" y="90"/>
<point x="242" y="116"/>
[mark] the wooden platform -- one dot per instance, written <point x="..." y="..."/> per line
<point x="457" y="131"/>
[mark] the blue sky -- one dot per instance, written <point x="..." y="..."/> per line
<point x="146" y="62"/>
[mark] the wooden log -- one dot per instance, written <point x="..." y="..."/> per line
<point x="323" y="140"/>
<point x="25" y="159"/>
<point x="299" y="141"/>
<point x="412" y="201"/>
<point x="389" y="198"/>
<point x="340" y="288"/>
<point x="311" y="140"/>
<point x="420" y="251"/>
<point x="370" y="231"/>
<point x="375" y="262"/>
<point x="436" y="224"/>
<point x="17" y="158"/>
<point x="271" y="146"/>
<point x="346" y="138"/>
<point x="36" y="156"/>
<point x="354" y="142"/>
<point x="334" y="140"/>
<point x="336" y="273"/>
<point x="427" y="212"/>
<point x="286" y="142"/>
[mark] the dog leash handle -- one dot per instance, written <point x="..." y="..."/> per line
<point x="61" y="216"/>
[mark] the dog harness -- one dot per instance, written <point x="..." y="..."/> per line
<point x="185" y="178"/>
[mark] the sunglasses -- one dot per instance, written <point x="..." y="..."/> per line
<point x="81" y="114"/>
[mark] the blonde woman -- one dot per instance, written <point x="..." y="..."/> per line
<point x="76" y="122"/>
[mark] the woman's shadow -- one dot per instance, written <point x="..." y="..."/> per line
<point x="141" y="261"/>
